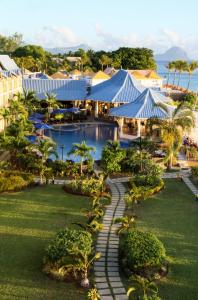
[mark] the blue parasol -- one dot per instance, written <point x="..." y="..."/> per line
<point x="74" y="110"/>
<point x="35" y="120"/>
<point x="59" y="111"/>
<point x="42" y="126"/>
<point x="37" y="115"/>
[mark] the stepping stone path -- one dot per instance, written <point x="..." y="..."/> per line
<point x="191" y="186"/>
<point x="107" y="277"/>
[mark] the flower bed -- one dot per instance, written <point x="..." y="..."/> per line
<point x="15" y="180"/>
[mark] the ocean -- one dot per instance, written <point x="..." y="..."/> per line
<point x="162" y="71"/>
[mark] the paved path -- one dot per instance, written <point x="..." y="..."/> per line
<point x="107" y="277"/>
<point x="191" y="186"/>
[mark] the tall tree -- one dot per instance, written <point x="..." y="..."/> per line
<point x="172" y="130"/>
<point x="83" y="151"/>
<point x="190" y="68"/>
<point x="180" y="67"/>
<point x="170" y="68"/>
<point x="105" y="60"/>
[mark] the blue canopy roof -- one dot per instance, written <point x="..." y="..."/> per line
<point x="121" y="88"/>
<point x="144" y="107"/>
<point x="64" y="90"/>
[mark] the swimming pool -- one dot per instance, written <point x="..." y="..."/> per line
<point x="95" y="135"/>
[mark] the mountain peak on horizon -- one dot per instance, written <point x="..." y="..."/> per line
<point x="173" y="53"/>
<point x="62" y="50"/>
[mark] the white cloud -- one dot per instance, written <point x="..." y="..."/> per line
<point x="56" y="37"/>
<point x="159" y="41"/>
<point x="51" y="36"/>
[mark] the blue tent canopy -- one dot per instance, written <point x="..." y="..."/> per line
<point x="121" y="88"/>
<point x="144" y="107"/>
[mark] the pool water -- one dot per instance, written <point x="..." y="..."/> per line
<point x="95" y="135"/>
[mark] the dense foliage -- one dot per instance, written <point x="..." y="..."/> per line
<point x="67" y="244"/>
<point x="142" y="250"/>
<point x="112" y="156"/>
<point x="85" y="186"/>
<point x="14" y="180"/>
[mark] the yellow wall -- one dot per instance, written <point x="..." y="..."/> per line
<point x="8" y="87"/>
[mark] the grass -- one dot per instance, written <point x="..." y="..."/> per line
<point x="28" y="221"/>
<point x="173" y="216"/>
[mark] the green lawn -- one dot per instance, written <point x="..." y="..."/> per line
<point x="28" y="221"/>
<point x="173" y="216"/>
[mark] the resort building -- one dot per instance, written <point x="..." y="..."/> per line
<point x="132" y="117"/>
<point x="75" y="74"/>
<point x="64" y="90"/>
<point x="148" y="78"/>
<point x="10" y="83"/>
<point x="99" y="77"/>
<point x="119" y="89"/>
<point x="59" y="75"/>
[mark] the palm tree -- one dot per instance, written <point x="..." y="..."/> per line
<point x="105" y="61"/>
<point x="5" y="114"/>
<point x="31" y="102"/>
<point x="172" y="129"/>
<point x="45" y="148"/>
<point x="191" y="67"/>
<point x="145" y="285"/>
<point x="175" y="71"/>
<point x="83" y="151"/>
<point x="181" y="67"/>
<point x="51" y="103"/>
<point x="170" y="68"/>
<point x="127" y="222"/>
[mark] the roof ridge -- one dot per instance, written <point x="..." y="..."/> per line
<point x="121" y="88"/>
<point x="144" y="103"/>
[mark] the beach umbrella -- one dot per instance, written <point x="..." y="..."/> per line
<point x="74" y="110"/>
<point x="35" y="120"/>
<point x="31" y="138"/>
<point x="59" y="111"/>
<point x="42" y="126"/>
<point x="37" y="115"/>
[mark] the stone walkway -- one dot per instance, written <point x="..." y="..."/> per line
<point x="107" y="277"/>
<point x="191" y="186"/>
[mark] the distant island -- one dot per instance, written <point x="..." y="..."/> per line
<point x="174" y="53"/>
<point x="63" y="50"/>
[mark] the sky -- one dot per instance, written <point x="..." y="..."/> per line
<point x="104" y="24"/>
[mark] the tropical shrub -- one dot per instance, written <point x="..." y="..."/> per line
<point x="142" y="188"/>
<point x="14" y="180"/>
<point x="70" y="255"/>
<point x="142" y="250"/>
<point x="85" y="186"/>
<point x="194" y="171"/>
<point x="112" y="156"/>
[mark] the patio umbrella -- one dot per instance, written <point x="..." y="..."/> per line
<point x="31" y="138"/>
<point x="59" y="111"/>
<point x="74" y="110"/>
<point x="35" y="120"/>
<point x="37" y="115"/>
<point x="42" y="126"/>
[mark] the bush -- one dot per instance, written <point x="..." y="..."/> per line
<point x="86" y="186"/>
<point x="194" y="171"/>
<point x="69" y="255"/>
<point x="112" y="156"/>
<point x="67" y="245"/>
<point x="142" y="250"/>
<point x="14" y="180"/>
